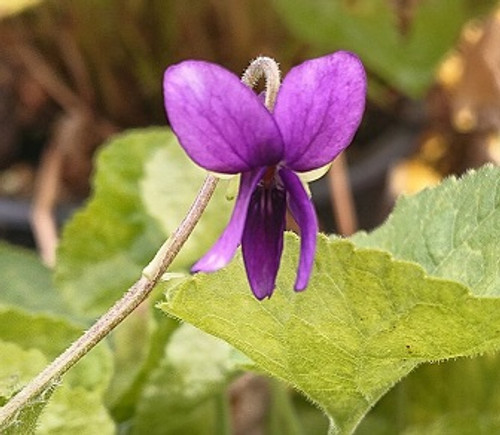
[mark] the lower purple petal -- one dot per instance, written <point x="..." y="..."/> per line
<point x="304" y="214"/>
<point x="262" y="242"/>
<point x="224" y="249"/>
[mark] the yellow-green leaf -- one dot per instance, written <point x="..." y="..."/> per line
<point x="365" y="321"/>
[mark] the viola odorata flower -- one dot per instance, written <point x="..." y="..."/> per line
<point x="224" y="127"/>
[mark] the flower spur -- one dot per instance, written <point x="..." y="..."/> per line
<point x="225" y="127"/>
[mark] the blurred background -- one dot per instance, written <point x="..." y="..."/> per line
<point x="72" y="73"/>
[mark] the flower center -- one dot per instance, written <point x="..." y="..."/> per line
<point x="268" y="177"/>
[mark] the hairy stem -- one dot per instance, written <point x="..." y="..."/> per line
<point x="260" y="67"/>
<point x="132" y="298"/>
<point x="264" y="67"/>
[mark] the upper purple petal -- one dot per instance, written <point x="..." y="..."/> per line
<point x="221" y="123"/>
<point x="318" y="109"/>
<point x="262" y="242"/>
<point x="302" y="210"/>
<point x="223" y="250"/>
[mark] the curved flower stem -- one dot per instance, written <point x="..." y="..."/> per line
<point x="260" y="67"/>
<point x="268" y="68"/>
<point x="116" y="314"/>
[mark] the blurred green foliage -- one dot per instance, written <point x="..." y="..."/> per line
<point x="401" y="43"/>
<point x="35" y="328"/>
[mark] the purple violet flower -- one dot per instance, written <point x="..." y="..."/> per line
<point x="224" y="127"/>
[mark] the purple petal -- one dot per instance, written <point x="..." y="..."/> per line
<point x="221" y="123"/>
<point x="319" y="108"/>
<point x="223" y="250"/>
<point x="262" y="242"/>
<point x="304" y="214"/>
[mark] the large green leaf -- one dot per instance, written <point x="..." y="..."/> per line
<point x="31" y="336"/>
<point x="452" y="230"/>
<point x="187" y="385"/>
<point x="26" y="282"/>
<point x="364" y="322"/>
<point x="18" y="367"/>
<point x="28" y="342"/>
<point x="143" y="186"/>
<point x="138" y="345"/>
<point x="75" y="411"/>
<point x="52" y="335"/>
<point x="405" y="59"/>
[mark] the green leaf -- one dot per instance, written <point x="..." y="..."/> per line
<point x="365" y="321"/>
<point x="451" y="230"/>
<point x="28" y="342"/>
<point x="170" y="185"/>
<point x="458" y="397"/>
<point x="138" y="345"/>
<point x="32" y="334"/>
<point x="26" y="421"/>
<point x="405" y="59"/>
<point x="130" y="341"/>
<point x="26" y="282"/>
<point x="52" y="335"/>
<point x="188" y="386"/>
<point x="75" y="411"/>
<point x="143" y="186"/>
<point x="18" y="367"/>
